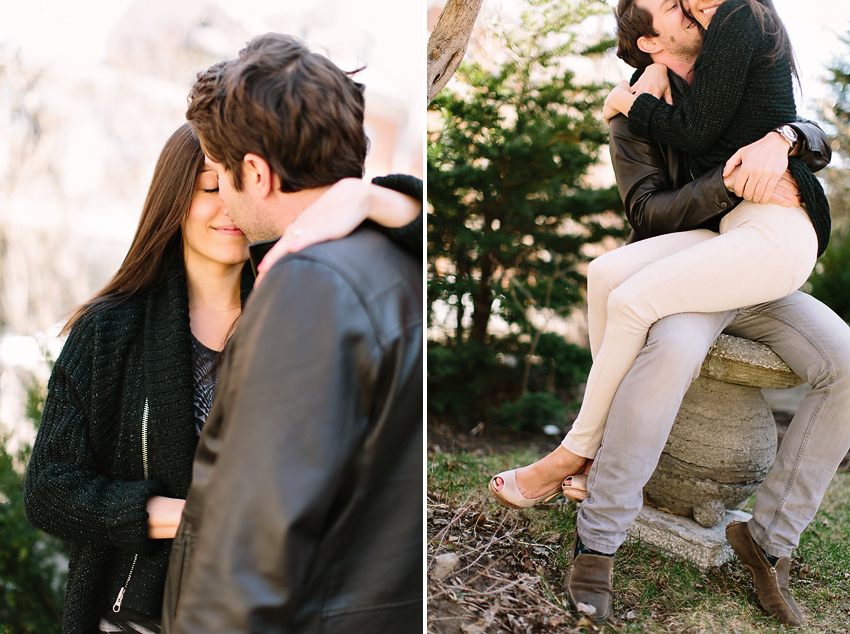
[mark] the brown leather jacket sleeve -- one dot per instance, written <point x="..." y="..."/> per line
<point x="656" y="195"/>
<point x="660" y="198"/>
<point x="815" y="150"/>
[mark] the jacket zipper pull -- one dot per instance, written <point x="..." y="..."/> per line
<point x="117" y="606"/>
<point x="118" y="601"/>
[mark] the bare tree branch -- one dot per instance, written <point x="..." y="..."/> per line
<point x="448" y="42"/>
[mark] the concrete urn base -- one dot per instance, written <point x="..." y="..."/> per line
<point x="723" y="441"/>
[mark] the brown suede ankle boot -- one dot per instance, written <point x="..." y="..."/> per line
<point x="771" y="582"/>
<point x="589" y="585"/>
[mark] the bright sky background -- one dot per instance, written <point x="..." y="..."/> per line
<point x="77" y="32"/>
<point x="815" y="27"/>
<point x="48" y="29"/>
<point x="70" y="40"/>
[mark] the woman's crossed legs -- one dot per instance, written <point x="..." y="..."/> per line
<point x="763" y="252"/>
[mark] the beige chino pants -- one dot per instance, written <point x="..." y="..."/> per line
<point x="762" y="253"/>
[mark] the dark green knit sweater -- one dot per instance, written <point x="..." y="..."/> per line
<point x="738" y="96"/>
<point x="84" y="482"/>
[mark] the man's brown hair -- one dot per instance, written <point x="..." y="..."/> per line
<point x="633" y="22"/>
<point x="295" y="109"/>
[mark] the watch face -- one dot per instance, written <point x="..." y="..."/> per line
<point x="789" y="133"/>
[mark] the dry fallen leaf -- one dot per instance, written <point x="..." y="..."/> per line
<point x="586" y="608"/>
<point x="443" y="565"/>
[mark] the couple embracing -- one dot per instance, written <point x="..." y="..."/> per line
<point x="300" y="404"/>
<point x="716" y="173"/>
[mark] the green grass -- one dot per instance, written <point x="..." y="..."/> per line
<point x="656" y="594"/>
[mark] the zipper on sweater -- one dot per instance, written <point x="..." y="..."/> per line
<point x="145" y="439"/>
<point x="116" y="607"/>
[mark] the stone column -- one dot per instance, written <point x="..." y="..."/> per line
<point x="720" y="449"/>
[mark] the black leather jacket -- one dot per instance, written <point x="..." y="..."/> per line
<point x="658" y="193"/>
<point x="305" y="510"/>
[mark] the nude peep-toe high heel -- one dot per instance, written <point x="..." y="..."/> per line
<point x="575" y="487"/>
<point x="509" y="495"/>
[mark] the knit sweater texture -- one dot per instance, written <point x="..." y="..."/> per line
<point x="738" y="95"/>
<point x="408" y="237"/>
<point x="85" y="481"/>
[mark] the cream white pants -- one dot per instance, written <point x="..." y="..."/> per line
<point x="762" y="253"/>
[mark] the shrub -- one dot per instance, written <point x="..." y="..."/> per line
<point x="472" y="382"/>
<point x="831" y="278"/>
<point x="565" y="363"/>
<point x="531" y="411"/>
<point x="459" y="376"/>
<point x="32" y="576"/>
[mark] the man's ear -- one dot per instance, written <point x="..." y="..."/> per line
<point x="648" y="45"/>
<point x="257" y="175"/>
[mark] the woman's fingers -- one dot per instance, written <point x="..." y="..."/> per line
<point x="732" y="163"/>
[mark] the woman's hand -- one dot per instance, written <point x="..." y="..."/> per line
<point x="654" y="81"/>
<point x="786" y="193"/>
<point x="164" y="516"/>
<point x="762" y="165"/>
<point x="338" y="212"/>
<point x="619" y="101"/>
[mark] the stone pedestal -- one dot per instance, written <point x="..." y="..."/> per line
<point x="723" y="441"/>
<point x="682" y="538"/>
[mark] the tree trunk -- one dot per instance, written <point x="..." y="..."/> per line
<point x="448" y="42"/>
<point x="482" y="300"/>
<point x="462" y="276"/>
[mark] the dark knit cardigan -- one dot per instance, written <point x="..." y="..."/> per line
<point x="738" y="96"/>
<point x="84" y="482"/>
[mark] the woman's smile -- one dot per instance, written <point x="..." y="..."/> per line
<point x="704" y="11"/>
<point x="230" y="229"/>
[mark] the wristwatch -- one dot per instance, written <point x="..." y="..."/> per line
<point x="789" y="134"/>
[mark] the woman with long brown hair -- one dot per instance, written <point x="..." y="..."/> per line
<point x="130" y="391"/>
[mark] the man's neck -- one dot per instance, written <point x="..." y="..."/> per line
<point x="287" y="206"/>
<point x="684" y="68"/>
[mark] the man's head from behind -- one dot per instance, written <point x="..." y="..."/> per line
<point x="295" y="109"/>
<point x="655" y="31"/>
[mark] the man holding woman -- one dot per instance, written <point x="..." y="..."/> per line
<point x="806" y="334"/>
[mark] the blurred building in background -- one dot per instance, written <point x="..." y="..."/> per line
<point x="88" y="96"/>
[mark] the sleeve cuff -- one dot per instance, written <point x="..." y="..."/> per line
<point x="714" y="190"/>
<point x="127" y="516"/>
<point x="640" y="114"/>
<point x="403" y="183"/>
<point x="408" y="237"/>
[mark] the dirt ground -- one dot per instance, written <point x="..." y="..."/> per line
<point x="448" y="439"/>
<point x="474" y="557"/>
<point x="485" y="575"/>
